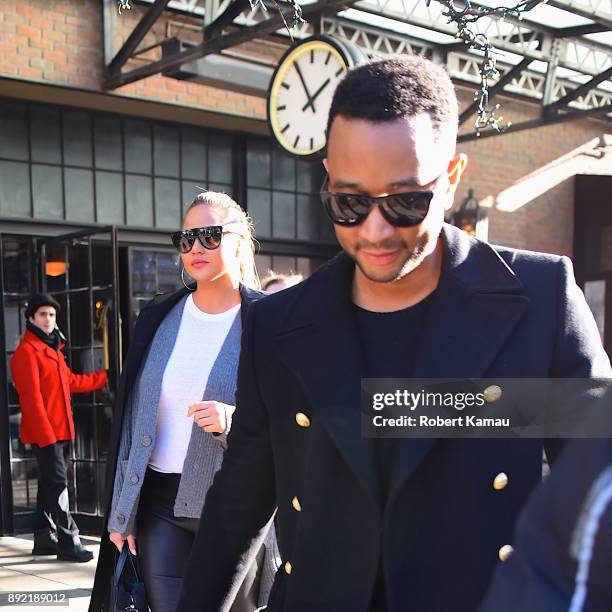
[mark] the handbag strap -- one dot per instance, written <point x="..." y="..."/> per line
<point x="120" y="564"/>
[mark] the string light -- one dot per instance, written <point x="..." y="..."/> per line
<point x="486" y="116"/>
<point x="123" y="4"/>
<point x="295" y="20"/>
<point x="464" y="18"/>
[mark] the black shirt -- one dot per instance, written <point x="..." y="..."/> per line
<point x="390" y="348"/>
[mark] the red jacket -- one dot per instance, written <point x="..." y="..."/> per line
<point x="44" y="382"/>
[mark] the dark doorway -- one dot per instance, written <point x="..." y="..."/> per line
<point x="593" y="248"/>
<point x="80" y="271"/>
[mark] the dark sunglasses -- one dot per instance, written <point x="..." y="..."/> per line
<point x="400" y="209"/>
<point x="209" y="237"/>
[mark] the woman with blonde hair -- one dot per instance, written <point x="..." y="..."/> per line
<point x="175" y="406"/>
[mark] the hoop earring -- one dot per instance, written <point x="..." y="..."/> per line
<point x="183" y="278"/>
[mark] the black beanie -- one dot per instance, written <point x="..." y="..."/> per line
<point x="37" y="300"/>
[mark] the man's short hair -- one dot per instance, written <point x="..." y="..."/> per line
<point x="397" y="88"/>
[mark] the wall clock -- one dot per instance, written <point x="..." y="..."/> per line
<point x="301" y="92"/>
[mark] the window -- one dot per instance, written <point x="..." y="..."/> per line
<point x="79" y="166"/>
<point x="66" y="164"/>
<point x="282" y="195"/>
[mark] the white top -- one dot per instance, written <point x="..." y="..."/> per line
<point x="198" y="342"/>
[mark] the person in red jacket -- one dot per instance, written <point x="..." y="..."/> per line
<point x="44" y="383"/>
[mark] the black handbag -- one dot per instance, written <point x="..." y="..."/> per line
<point x="127" y="592"/>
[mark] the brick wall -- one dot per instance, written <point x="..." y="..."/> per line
<point x="545" y="222"/>
<point x="60" y="42"/>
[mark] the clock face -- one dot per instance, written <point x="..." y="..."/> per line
<point x="301" y="95"/>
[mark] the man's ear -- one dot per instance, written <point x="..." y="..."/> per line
<point x="455" y="171"/>
<point x="325" y="165"/>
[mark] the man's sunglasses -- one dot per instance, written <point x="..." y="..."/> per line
<point x="209" y="237"/>
<point x="400" y="209"/>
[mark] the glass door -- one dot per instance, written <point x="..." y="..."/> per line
<point x="80" y="271"/>
<point x="18" y="470"/>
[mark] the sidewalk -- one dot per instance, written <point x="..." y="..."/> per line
<point x="22" y="573"/>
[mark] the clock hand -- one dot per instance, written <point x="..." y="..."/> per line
<point x="309" y="103"/>
<point x="315" y="95"/>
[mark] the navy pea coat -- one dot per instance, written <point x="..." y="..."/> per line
<point x="296" y="441"/>
<point x="563" y="552"/>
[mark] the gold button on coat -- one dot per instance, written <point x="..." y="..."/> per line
<point x="295" y="502"/>
<point x="492" y="393"/>
<point x="505" y="551"/>
<point x="302" y="420"/>
<point x="288" y="568"/>
<point x="500" y="481"/>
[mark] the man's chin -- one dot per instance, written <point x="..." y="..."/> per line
<point x="384" y="276"/>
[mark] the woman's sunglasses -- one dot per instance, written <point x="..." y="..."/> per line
<point x="400" y="209"/>
<point x="209" y="237"/>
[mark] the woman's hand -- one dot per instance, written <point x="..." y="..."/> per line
<point x="117" y="539"/>
<point x="211" y="416"/>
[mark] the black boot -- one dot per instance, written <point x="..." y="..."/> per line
<point x="45" y="542"/>
<point x="73" y="551"/>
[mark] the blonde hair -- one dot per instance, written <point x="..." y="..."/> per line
<point x="233" y="212"/>
<point x="276" y="277"/>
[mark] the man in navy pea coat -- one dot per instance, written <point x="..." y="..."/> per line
<point x="369" y="525"/>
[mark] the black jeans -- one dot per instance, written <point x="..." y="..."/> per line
<point x="163" y="545"/>
<point x="52" y="498"/>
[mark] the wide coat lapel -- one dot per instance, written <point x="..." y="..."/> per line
<point x="478" y="303"/>
<point x="318" y="342"/>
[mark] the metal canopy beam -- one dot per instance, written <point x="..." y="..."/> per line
<point x="536" y="123"/>
<point x="218" y="44"/>
<point x="531" y="40"/>
<point x="518" y="36"/>
<point x="555" y="107"/>
<point x="225" y="19"/>
<point x="589" y="12"/>
<point x="430" y="19"/>
<point x="576" y="31"/>
<point x="516" y="39"/>
<point x="496" y="88"/>
<point x="135" y="38"/>
<point x="551" y="71"/>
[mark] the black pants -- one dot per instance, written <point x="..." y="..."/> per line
<point x="52" y="511"/>
<point x="164" y="542"/>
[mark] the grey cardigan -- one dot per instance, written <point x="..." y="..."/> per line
<point x="205" y="451"/>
